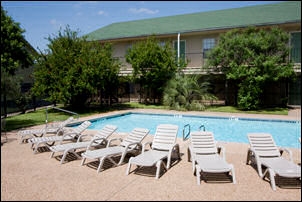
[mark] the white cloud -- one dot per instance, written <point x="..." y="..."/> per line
<point x="83" y="4"/>
<point x="101" y="12"/>
<point x="53" y="21"/>
<point x="143" y="10"/>
<point x="56" y="24"/>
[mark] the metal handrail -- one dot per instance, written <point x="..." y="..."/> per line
<point x="202" y="126"/>
<point x="183" y="132"/>
<point x="64" y="110"/>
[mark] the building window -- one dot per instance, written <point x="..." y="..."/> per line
<point x="295" y="42"/>
<point x="161" y="43"/>
<point x="182" y="50"/>
<point x="207" y="45"/>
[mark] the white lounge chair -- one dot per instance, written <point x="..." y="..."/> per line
<point x="264" y="152"/>
<point x="163" y="147"/>
<point x="131" y="144"/>
<point x="98" y="139"/>
<point x="207" y="156"/>
<point x="53" y="128"/>
<point x="70" y="134"/>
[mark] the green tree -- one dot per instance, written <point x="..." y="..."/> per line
<point x="14" y="55"/>
<point x="153" y="65"/>
<point x="252" y="57"/>
<point x="73" y="69"/>
<point x="187" y="92"/>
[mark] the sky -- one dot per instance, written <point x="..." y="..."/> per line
<point x="41" y="19"/>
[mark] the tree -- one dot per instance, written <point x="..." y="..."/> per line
<point x="252" y="57"/>
<point x="14" y="55"/>
<point x="73" y="69"/>
<point x="187" y="92"/>
<point x="153" y="65"/>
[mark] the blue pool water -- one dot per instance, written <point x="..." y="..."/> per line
<point x="227" y="129"/>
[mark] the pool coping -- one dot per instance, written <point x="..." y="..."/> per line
<point x="265" y="117"/>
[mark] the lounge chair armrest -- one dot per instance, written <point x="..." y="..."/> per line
<point x="67" y="134"/>
<point x="70" y="134"/>
<point x="134" y="143"/>
<point x="64" y="131"/>
<point x="254" y="153"/>
<point x="175" y="145"/>
<point x="114" y="139"/>
<point x="289" y="152"/>
<point x="83" y="135"/>
<point x="95" y="142"/>
<point x="171" y="149"/>
<point x="189" y="151"/>
<point x="67" y="128"/>
<point x="60" y="131"/>
<point x="221" y="151"/>
<point x="145" y="145"/>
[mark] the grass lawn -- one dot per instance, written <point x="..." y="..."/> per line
<point x="38" y="117"/>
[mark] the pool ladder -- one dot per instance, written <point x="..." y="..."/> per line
<point x="186" y="136"/>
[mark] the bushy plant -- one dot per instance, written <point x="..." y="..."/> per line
<point x="73" y="69"/>
<point x="186" y="92"/>
<point x="153" y="65"/>
<point x="252" y="58"/>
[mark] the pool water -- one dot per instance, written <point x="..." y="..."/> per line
<point x="226" y="129"/>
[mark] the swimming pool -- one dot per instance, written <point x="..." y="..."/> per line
<point x="226" y="129"/>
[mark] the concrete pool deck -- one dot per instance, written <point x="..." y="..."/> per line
<point x="28" y="176"/>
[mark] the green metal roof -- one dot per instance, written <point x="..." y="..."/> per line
<point x="269" y="14"/>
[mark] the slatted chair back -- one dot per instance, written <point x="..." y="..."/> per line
<point x="203" y="142"/>
<point x="136" y="135"/>
<point x="165" y="136"/>
<point x="263" y="144"/>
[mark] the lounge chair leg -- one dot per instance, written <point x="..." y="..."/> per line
<point x="52" y="153"/>
<point x="264" y="174"/>
<point x="122" y="159"/>
<point x="198" y="174"/>
<point x="193" y="165"/>
<point x="176" y="150"/>
<point x="63" y="157"/>
<point x="158" y="165"/>
<point x="101" y="164"/>
<point x="249" y="153"/>
<point x="129" y="166"/>
<point x="233" y="174"/>
<point x="189" y="154"/>
<point x="35" y="149"/>
<point x="272" y="178"/>
<point x="260" y="170"/>
<point x="168" y="163"/>
<point x="82" y="163"/>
